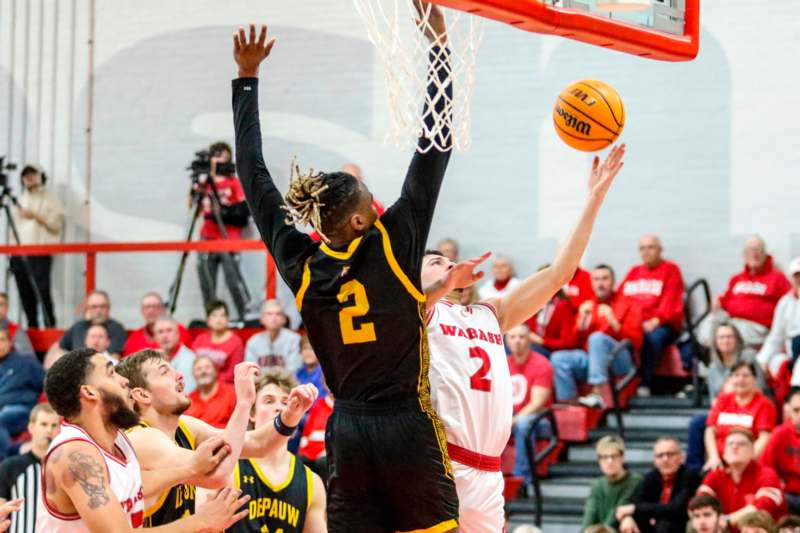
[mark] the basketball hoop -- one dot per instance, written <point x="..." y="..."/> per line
<point x="407" y="56"/>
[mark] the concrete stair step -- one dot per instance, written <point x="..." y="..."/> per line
<point x="632" y="455"/>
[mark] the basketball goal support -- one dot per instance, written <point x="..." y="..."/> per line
<point x="540" y="17"/>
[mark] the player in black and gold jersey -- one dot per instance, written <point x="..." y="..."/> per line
<point x="167" y="437"/>
<point x="285" y="496"/>
<point x="362" y="305"/>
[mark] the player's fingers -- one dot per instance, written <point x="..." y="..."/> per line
<point x="236" y="46"/>
<point x="252" y="34"/>
<point x="595" y="163"/>
<point x="238" y="516"/>
<point x="262" y="35"/>
<point x="242" y="36"/>
<point x="270" y="44"/>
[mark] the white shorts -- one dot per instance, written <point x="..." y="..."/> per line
<point x="480" y="500"/>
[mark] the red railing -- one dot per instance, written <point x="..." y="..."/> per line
<point x="90" y="250"/>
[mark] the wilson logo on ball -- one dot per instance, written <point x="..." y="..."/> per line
<point x="571" y="121"/>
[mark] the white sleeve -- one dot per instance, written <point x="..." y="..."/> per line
<point x="776" y="339"/>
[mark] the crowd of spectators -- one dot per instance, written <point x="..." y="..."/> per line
<point x="741" y="468"/>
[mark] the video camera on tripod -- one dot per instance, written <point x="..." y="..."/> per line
<point x="201" y="166"/>
<point x="5" y="190"/>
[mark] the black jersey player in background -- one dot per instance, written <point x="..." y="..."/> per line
<point x="362" y="305"/>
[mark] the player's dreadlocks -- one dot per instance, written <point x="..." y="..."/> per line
<point x="320" y="199"/>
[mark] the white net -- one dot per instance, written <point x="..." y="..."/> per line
<point x="421" y="103"/>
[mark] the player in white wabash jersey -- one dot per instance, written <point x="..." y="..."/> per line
<point x="470" y="382"/>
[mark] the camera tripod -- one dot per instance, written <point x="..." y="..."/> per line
<point x="231" y="270"/>
<point x="6" y="198"/>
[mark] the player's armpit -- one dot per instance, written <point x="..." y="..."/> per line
<point x="80" y="472"/>
<point x="315" y="518"/>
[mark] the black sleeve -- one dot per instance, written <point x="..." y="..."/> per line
<point x="6" y="482"/>
<point x="287" y="245"/>
<point x="410" y="217"/>
<point x="235" y="215"/>
<point x="686" y="486"/>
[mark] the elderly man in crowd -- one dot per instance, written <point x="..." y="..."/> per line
<point x="657" y="286"/>
<point x="166" y="331"/>
<point x="152" y="307"/>
<point x="659" y="506"/>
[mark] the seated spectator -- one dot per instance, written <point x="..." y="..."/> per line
<point x="152" y="307"/>
<point x="705" y="514"/>
<point x="166" y="332"/>
<point x="757" y="522"/>
<point x="553" y="327"/>
<point x="98" y="311"/>
<point x="744" y="486"/>
<point x="221" y="344"/>
<point x="449" y="248"/>
<point x="502" y="280"/>
<point x="579" y="289"/>
<point x="20" y="475"/>
<point x="532" y="389"/>
<point x="22" y="343"/>
<point x="657" y="286"/>
<point x="783" y="340"/>
<point x="277" y="345"/>
<point x="97" y="339"/>
<point x="782" y="452"/>
<point x="311" y="372"/>
<point x="789" y="524"/>
<point x="659" y="506"/>
<point x="213" y="400"/>
<point x="615" y="488"/>
<point x="21" y="379"/>
<point x="603" y="323"/>
<point x="745" y="407"/>
<point x="751" y="297"/>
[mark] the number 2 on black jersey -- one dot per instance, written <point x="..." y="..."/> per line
<point x="359" y="308"/>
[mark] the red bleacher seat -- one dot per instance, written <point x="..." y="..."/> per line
<point x="511" y="487"/>
<point x="670" y="364"/>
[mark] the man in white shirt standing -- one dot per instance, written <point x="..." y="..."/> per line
<point x="783" y="340"/>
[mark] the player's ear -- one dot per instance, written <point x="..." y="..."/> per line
<point x="359" y="223"/>
<point x="140" y="395"/>
<point x="89" y="392"/>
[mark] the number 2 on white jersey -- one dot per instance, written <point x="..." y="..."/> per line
<point x="477" y="381"/>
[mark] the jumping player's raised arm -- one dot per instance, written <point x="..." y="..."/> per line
<point x="531" y="294"/>
<point x="286" y="244"/>
<point x="412" y="214"/>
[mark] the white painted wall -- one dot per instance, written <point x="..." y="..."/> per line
<point x="712" y="156"/>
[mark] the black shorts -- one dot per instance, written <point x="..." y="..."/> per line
<point x="388" y="470"/>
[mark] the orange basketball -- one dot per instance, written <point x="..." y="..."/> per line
<point x="589" y="115"/>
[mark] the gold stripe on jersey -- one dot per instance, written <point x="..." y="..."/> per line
<point x="441" y="527"/>
<point x="424" y="393"/>
<point x="343" y="256"/>
<point x="187" y="433"/>
<point x="398" y="272"/>
<point x="236" y="483"/>
<point x="304" y="285"/>
<point x="265" y="480"/>
<point x="156" y="506"/>
<point x="310" y="483"/>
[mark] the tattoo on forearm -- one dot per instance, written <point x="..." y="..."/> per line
<point x="89" y="474"/>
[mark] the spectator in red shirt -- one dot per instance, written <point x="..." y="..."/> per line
<point x="213" y="400"/>
<point x="603" y="323"/>
<point x="782" y="452"/>
<point x="751" y="297"/>
<point x="221" y="344"/>
<point x="532" y="389"/>
<point x="657" y="286"/>
<point x="553" y="327"/>
<point x="152" y="307"/>
<point x="234" y="215"/>
<point x="744" y="486"/>
<point x="502" y="280"/>
<point x="579" y="289"/>
<point x="745" y="407"/>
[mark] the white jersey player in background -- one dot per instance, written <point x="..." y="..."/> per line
<point x="470" y="382"/>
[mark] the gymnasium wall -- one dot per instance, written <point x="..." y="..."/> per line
<point x="712" y="151"/>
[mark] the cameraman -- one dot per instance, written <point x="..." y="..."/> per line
<point x="234" y="214"/>
<point x="39" y="217"/>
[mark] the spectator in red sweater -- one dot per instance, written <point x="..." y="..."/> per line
<point x="502" y="280"/>
<point x="744" y="486"/>
<point x="745" y="407"/>
<point x="657" y="286"/>
<point x="782" y="453"/>
<point x="579" y="288"/>
<point x="213" y="400"/>
<point x="221" y="344"/>
<point x="532" y="389"/>
<point x="152" y="307"/>
<point x="449" y="248"/>
<point x="751" y="297"/>
<point x="553" y="327"/>
<point x="602" y="324"/>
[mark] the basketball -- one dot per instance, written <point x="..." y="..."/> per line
<point x="589" y="115"/>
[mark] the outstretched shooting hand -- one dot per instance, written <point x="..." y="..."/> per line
<point x="250" y="52"/>
<point x="463" y="274"/>
<point x="603" y="175"/>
